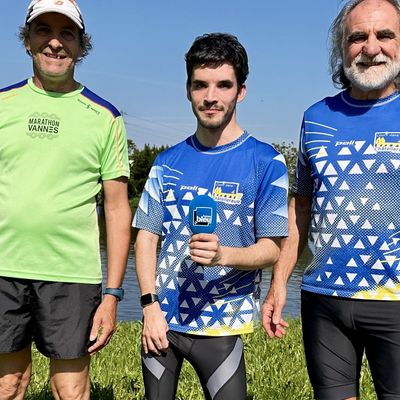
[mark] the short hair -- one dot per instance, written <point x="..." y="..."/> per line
<point x="85" y="40"/>
<point x="217" y="49"/>
<point x="337" y="39"/>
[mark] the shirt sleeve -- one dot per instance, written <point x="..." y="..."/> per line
<point x="149" y="215"/>
<point x="114" y="159"/>
<point x="303" y="183"/>
<point x="271" y="210"/>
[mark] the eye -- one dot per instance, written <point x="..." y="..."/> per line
<point x="357" y="37"/>
<point x="68" y="35"/>
<point x="385" y="35"/>
<point x="42" y="30"/>
<point x="225" y="85"/>
<point x="198" y="85"/>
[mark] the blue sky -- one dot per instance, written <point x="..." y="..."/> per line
<point x="138" y="60"/>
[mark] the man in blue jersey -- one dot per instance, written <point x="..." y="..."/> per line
<point x="202" y="292"/>
<point x="346" y="202"/>
<point x="60" y="143"/>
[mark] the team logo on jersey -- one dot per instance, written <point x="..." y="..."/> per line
<point x="43" y="126"/>
<point x="227" y="192"/>
<point x="387" y="141"/>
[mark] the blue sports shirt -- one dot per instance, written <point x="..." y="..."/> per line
<point x="248" y="180"/>
<point x="349" y="161"/>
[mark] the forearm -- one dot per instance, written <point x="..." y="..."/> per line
<point x="146" y="261"/>
<point x="293" y="245"/>
<point x="262" y="254"/>
<point x="118" y="225"/>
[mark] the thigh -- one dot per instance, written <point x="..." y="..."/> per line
<point x="69" y="379"/>
<point x="219" y="363"/>
<point x="380" y="323"/>
<point x="332" y="346"/>
<point x="63" y="315"/>
<point x="15" y="311"/>
<point x="161" y="373"/>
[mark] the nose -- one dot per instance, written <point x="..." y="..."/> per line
<point x="210" y="95"/>
<point x="372" y="47"/>
<point x="55" y="43"/>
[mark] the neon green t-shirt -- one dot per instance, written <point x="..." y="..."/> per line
<point x="55" y="149"/>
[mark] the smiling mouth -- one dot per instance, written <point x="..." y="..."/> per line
<point x="55" y="56"/>
<point x="370" y="64"/>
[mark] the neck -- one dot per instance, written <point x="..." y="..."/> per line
<point x="55" y="85"/>
<point x="358" y="94"/>
<point x="217" y="137"/>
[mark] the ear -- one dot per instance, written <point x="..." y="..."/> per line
<point x="242" y="93"/>
<point x="188" y="95"/>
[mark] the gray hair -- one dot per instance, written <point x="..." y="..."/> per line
<point x="337" y="35"/>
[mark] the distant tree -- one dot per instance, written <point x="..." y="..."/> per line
<point x="289" y="151"/>
<point x="140" y="164"/>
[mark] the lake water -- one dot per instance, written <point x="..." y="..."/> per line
<point x="129" y="309"/>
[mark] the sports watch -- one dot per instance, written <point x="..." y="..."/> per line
<point x="147" y="299"/>
<point x="116" y="292"/>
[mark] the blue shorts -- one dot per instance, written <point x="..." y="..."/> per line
<point x="337" y="332"/>
<point x="56" y="316"/>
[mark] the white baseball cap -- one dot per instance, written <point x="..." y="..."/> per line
<point x="69" y="8"/>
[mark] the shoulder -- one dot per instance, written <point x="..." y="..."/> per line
<point x="175" y="150"/>
<point x="324" y="105"/>
<point x="106" y="105"/>
<point x="15" y="86"/>
<point x="265" y="152"/>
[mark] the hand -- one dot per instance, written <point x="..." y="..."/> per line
<point x="104" y="324"/>
<point x="205" y="249"/>
<point x="155" y="328"/>
<point x="271" y="311"/>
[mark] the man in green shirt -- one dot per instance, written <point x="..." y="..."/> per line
<point x="59" y="144"/>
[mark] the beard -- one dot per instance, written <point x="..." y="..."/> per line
<point x="374" y="77"/>
<point x="217" y="122"/>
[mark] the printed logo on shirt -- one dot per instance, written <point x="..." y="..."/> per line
<point x="227" y="192"/>
<point x="43" y="126"/>
<point x="387" y="141"/>
<point x="89" y="106"/>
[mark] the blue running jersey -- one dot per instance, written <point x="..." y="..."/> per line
<point x="248" y="180"/>
<point x="349" y="161"/>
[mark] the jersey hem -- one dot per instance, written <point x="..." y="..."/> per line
<point x="50" y="278"/>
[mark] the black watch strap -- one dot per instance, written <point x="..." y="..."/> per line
<point x="116" y="292"/>
<point x="147" y="299"/>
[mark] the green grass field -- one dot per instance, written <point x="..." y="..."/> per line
<point x="275" y="370"/>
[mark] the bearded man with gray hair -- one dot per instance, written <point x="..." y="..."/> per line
<point x="346" y="203"/>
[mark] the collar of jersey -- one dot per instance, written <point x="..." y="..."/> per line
<point x="369" y="103"/>
<point x="53" y="94"/>
<point x="219" y="149"/>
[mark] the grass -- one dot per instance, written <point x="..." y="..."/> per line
<point x="275" y="370"/>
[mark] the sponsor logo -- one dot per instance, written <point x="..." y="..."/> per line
<point x="387" y="141"/>
<point x="202" y="216"/>
<point x="43" y="126"/>
<point x="227" y="192"/>
<point x="185" y="187"/>
<point x="89" y="106"/>
<point x="345" y="143"/>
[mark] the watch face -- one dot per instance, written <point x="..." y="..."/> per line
<point x="147" y="299"/>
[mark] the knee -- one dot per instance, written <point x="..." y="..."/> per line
<point x="71" y="391"/>
<point x="13" y="386"/>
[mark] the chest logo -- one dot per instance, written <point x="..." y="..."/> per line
<point x="227" y="192"/>
<point x="43" y="126"/>
<point x="387" y="141"/>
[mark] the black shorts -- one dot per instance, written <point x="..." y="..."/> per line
<point x="56" y="316"/>
<point x="337" y="331"/>
<point x="218" y="361"/>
